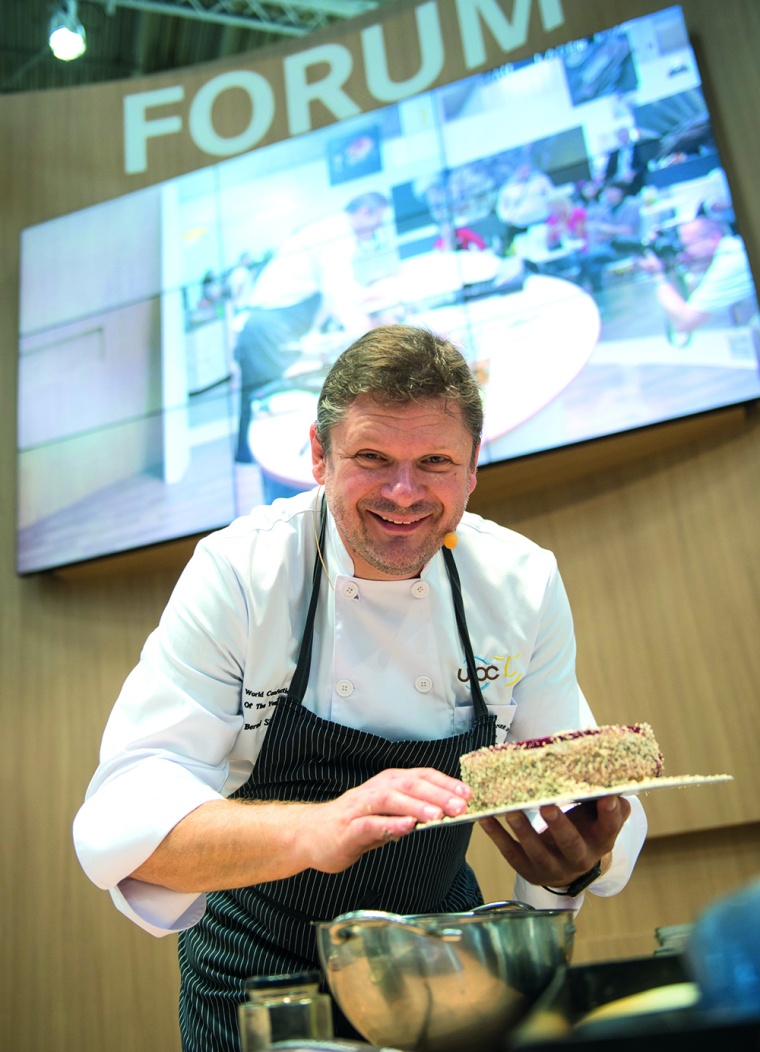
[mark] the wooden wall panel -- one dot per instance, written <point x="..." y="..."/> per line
<point x="660" y="557"/>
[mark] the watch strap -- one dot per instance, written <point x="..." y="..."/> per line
<point x="580" y="883"/>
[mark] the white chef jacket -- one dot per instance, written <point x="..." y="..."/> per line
<point x="726" y="281"/>
<point x="190" y="720"/>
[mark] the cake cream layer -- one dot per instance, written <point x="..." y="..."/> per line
<point x="572" y="761"/>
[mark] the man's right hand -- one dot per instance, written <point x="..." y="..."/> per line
<point x="385" y="808"/>
<point x="232" y="844"/>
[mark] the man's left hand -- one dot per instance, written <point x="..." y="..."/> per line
<point x="570" y="845"/>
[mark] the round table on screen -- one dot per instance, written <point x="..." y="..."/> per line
<point x="525" y="346"/>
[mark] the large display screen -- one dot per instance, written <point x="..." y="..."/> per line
<point x="173" y="341"/>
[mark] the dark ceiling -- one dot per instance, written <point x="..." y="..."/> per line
<point x="129" y="38"/>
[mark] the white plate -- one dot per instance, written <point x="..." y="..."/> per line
<point x="626" y="789"/>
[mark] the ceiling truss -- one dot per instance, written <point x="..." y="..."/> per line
<point x="286" y="18"/>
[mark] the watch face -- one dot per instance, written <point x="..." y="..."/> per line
<point x="578" y="885"/>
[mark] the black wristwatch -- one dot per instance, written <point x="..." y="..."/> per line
<point x="580" y="883"/>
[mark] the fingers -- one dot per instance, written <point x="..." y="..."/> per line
<point x="382" y="809"/>
<point x="571" y="844"/>
<point x="423" y="794"/>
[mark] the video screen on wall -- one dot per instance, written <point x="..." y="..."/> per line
<point x="173" y="341"/>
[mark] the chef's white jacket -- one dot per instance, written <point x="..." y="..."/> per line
<point x="191" y="717"/>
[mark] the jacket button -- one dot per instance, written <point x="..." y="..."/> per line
<point x="350" y="589"/>
<point x="420" y="589"/>
<point x="344" y="687"/>
<point x="424" y="684"/>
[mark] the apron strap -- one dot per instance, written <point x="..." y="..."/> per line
<point x="300" y="679"/>
<point x="479" y="705"/>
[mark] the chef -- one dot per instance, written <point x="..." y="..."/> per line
<point x="318" y="671"/>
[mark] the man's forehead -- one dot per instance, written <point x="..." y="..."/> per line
<point x="377" y="407"/>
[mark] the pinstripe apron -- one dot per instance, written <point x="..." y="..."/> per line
<point x="268" y="928"/>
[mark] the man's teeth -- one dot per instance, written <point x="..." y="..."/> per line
<point x="398" y="522"/>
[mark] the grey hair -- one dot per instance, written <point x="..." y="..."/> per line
<point x="399" y="364"/>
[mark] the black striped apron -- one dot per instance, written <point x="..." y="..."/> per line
<point x="268" y="928"/>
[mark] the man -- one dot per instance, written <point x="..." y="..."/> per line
<point x="523" y="200"/>
<point x="625" y="163"/>
<point x="616" y="215"/>
<point x="312" y="684"/>
<point x="726" y="281"/>
<point x="315" y="275"/>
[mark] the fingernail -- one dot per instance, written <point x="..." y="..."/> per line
<point x="550" y="813"/>
<point x="608" y="803"/>
<point x="456" y="805"/>
<point x="432" y="812"/>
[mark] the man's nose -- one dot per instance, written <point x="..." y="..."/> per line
<point x="403" y="485"/>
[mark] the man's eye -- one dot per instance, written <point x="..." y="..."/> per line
<point x="437" y="461"/>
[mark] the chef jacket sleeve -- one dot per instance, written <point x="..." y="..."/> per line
<point x="166" y="744"/>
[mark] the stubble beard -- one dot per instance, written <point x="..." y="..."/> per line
<point x="394" y="557"/>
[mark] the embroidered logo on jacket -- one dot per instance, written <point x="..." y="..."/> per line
<point x="490" y="671"/>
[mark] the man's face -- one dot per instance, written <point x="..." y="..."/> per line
<point x="397" y="479"/>
<point x="698" y="243"/>
<point x="612" y="195"/>
<point x="365" y="221"/>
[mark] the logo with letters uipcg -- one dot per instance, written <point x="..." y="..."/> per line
<point x="489" y="671"/>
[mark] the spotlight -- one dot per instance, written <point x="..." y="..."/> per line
<point x="67" y="39"/>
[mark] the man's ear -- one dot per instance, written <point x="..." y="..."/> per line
<point x="474" y="469"/>
<point x="318" y="466"/>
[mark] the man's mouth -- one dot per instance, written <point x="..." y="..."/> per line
<point x="398" y="522"/>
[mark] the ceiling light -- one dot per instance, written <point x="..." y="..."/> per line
<point x="67" y="39"/>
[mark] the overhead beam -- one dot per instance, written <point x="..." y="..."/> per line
<point x="192" y="9"/>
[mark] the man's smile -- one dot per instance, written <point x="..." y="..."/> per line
<point x="398" y="523"/>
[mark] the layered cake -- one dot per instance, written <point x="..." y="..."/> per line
<point x="559" y="766"/>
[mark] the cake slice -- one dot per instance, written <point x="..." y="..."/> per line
<point x="561" y="765"/>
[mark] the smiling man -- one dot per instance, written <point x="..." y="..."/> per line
<point x="304" y="702"/>
<point x="396" y="481"/>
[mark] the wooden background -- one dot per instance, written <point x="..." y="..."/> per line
<point x="656" y="536"/>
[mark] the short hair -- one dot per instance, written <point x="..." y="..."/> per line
<point x="397" y="365"/>
<point x="372" y="200"/>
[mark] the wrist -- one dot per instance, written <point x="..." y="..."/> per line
<point x="575" y="887"/>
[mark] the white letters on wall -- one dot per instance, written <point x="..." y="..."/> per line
<point x="508" y="35"/>
<point x="202" y="130"/>
<point x="320" y="74"/>
<point x="138" y="129"/>
<point x="380" y="85"/>
<point x="300" y="93"/>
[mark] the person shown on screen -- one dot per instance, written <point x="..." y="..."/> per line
<point x="523" y="200"/>
<point x="314" y="276"/>
<point x="312" y="684"/>
<point x="565" y="223"/>
<point x="716" y="200"/>
<point x="615" y="216"/>
<point x="212" y="298"/>
<point x="240" y="282"/>
<point x="625" y="164"/>
<point x="452" y="236"/>
<point x="726" y="280"/>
